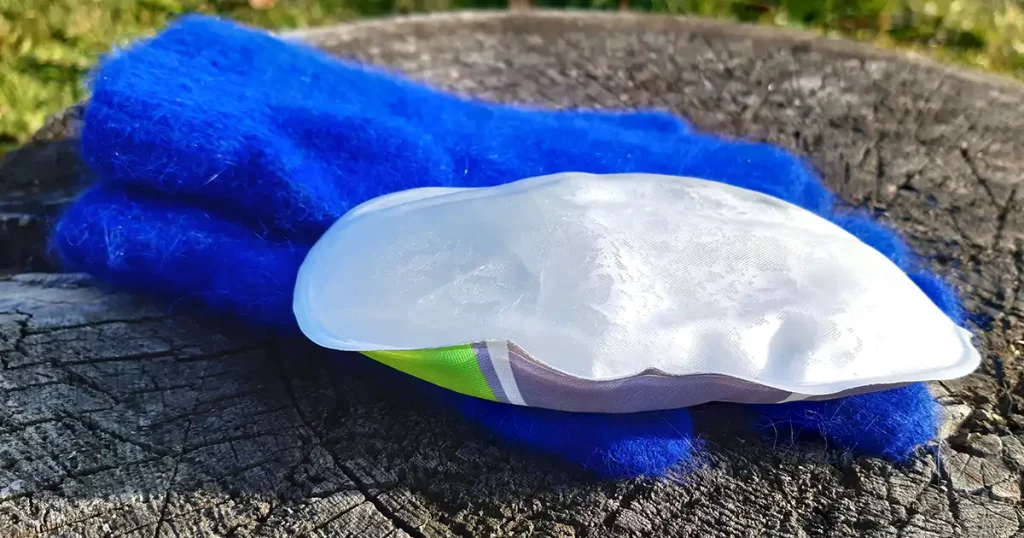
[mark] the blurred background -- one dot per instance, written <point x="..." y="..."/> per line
<point x="47" y="46"/>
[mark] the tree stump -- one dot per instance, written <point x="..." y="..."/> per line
<point x="119" y="418"/>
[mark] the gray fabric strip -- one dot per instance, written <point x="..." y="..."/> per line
<point x="542" y="386"/>
<point x="483" y="357"/>
<point x="857" y="390"/>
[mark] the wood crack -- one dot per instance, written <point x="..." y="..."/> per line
<point x="371" y="497"/>
<point x="165" y="504"/>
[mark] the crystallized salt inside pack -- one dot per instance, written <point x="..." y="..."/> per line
<point x="621" y="293"/>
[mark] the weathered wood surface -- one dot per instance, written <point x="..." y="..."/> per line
<point x="117" y="418"/>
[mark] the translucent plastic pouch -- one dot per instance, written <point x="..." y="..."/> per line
<point x="621" y="293"/>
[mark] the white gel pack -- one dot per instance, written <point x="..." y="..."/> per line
<point x="621" y="293"/>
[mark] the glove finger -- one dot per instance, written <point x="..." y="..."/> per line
<point x="289" y="169"/>
<point x="649" y="122"/>
<point x="243" y="56"/>
<point x="890" y="423"/>
<point x="180" y="254"/>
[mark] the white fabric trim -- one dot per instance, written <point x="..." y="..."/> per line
<point x="498" y="351"/>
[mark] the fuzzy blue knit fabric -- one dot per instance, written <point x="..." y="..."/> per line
<point x="216" y="167"/>
<point x="653" y="443"/>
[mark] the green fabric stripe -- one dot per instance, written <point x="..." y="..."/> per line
<point x="454" y="368"/>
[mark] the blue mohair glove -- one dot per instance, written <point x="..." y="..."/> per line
<point x="220" y="154"/>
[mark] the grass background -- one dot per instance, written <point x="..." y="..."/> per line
<point x="47" y="46"/>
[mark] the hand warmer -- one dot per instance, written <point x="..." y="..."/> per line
<point x="217" y="167"/>
<point x="621" y="293"/>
